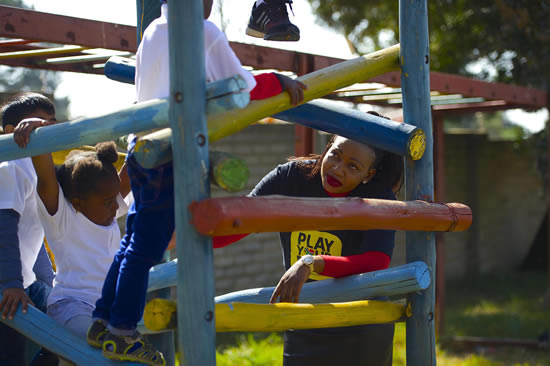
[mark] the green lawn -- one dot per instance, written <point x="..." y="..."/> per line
<point x="506" y="305"/>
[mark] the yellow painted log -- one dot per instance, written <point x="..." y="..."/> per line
<point x="160" y="314"/>
<point x="59" y="156"/>
<point x="42" y="52"/>
<point x="319" y="83"/>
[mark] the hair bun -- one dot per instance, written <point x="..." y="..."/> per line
<point x="106" y="152"/>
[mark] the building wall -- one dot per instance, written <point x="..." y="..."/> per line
<point x="498" y="180"/>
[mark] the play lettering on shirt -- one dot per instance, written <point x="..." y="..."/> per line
<point x="314" y="243"/>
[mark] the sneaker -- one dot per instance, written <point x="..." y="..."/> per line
<point x="270" y="22"/>
<point x="131" y="348"/>
<point x="96" y="334"/>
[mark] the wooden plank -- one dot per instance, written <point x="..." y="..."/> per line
<point x="30" y="24"/>
<point x="160" y="314"/>
<point x="399" y="138"/>
<point x="395" y="281"/>
<point x="415" y="85"/>
<point x="196" y="327"/>
<point x="42" y="52"/>
<point x="238" y="215"/>
<point x="46" y="332"/>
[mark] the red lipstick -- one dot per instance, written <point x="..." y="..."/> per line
<point x="333" y="182"/>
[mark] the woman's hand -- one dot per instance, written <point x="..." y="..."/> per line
<point x="22" y="132"/>
<point x="289" y="286"/>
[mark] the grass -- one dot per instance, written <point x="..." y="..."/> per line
<point x="498" y="305"/>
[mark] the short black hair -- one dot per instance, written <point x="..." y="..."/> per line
<point x="22" y="105"/>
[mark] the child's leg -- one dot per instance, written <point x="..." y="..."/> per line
<point x="152" y="227"/>
<point x="73" y="314"/>
<point x="105" y="303"/>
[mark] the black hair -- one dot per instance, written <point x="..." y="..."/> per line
<point x="82" y="170"/>
<point x="21" y="105"/>
<point x="389" y="167"/>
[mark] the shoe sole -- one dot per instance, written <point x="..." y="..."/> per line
<point x="117" y="357"/>
<point x="94" y="344"/>
<point x="254" y="33"/>
<point x="285" y="37"/>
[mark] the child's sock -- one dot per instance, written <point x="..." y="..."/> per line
<point x="121" y="332"/>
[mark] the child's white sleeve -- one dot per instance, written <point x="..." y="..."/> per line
<point x="152" y="74"/>
<point x="15" y="187"/>
<point x="220" y="60"/>
<point x="56" y="225"/>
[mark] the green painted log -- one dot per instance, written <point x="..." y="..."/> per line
<point x="226" y="171"/>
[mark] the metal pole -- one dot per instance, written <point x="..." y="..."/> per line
<point x="195" y="294"/>
<point x="415" y="83"/>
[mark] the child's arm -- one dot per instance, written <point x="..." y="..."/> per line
<point x="11" y="279"/>
<point x="47" y="187"/>
<point x="271" y="84"/>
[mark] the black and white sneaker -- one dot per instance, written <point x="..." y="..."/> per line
<point x="270" y="21"/>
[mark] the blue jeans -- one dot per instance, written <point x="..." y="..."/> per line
<point x="149" y="227"/>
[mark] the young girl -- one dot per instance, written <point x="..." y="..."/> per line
<point x="78" y="206"/>
<point x="345" y="169"/>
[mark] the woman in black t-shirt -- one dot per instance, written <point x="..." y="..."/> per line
<point x="345" y="169"/>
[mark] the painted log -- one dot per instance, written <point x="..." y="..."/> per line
<point x="59" y="156"/>
<point x="88" y="131"/>
<point x="197" y="339"/>
<point x="161" y="315"/>
<point x="320" y="83"/>
<point x="120" y="69"/>
<point x="124" y="70"/>
<point x="415" y="88"/>
<point x="396" y="137"/>
<point x="46" y="332"/>
<point x="239" y="215"/>
<point x="395" y="282"/>
<point x="226" y="171"/>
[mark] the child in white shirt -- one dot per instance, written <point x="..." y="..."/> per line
<point x="78" y="206"/>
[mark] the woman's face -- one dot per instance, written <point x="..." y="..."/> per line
<point x="346" y="165"/>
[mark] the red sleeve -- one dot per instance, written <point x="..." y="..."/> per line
<point x="267" y="85"/>
<point x="223" y="241"/>
<point x="354" y="264"/>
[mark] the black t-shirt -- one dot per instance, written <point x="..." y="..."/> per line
<point x="290" y="179"/>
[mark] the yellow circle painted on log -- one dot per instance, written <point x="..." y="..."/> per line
<point x="417" y="145"/>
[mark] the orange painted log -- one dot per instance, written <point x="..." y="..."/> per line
<point x="236" y="215"/>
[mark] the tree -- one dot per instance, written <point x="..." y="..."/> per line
<point x="512" y="36"/>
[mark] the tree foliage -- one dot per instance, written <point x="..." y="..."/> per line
<point x="511" y="36"/>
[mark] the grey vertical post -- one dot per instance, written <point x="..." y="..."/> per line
<point x="415" y="83"/>
<point x="147" y="11"/>
<point x="195" y="288"/>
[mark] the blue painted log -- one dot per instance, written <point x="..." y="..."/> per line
<point x="399" y="138"/>
<point x="196" y="326"/>
<point x="415" y="84"/>
<point x="137" y="118"/>
<point x="395" y="281"/>
<point x="120" y="69"/>
<point x="46" y="332"/>
<point x="124" y="70"/>
<point x="88" y="131"/>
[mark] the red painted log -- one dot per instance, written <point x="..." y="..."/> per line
<point x="237" y="215"/>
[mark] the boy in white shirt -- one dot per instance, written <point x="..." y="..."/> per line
<point x="150" y="221"/>
<point x="21" y="234"/>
